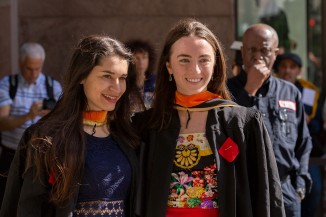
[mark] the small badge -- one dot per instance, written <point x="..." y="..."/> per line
<point x="229" y="150"/>
<point x="287" y="104"/>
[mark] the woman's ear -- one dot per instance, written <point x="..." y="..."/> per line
<point x="168" y="66"/>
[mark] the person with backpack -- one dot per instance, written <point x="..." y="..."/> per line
<point x="24" y="99"/>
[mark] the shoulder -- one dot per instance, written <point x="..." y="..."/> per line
<point x="140" y="117"/>
<point x="152" y="77"/>
<point x="5" y="78"/>
<point x="240" y="111"/>
<point x="283" y="86"/>
<point x="283" y="83"/>
<point x="236" y="83"/>
<point x="4" y="82"/>
<point x="56" y="84"/>
<point x="49" y="77"/>
<point x="233" y="80"/>
<point x="4" y="92"/>
<point x="57" y="88"/>
<point x="26" y="138"/>
<point x="308" y="84"/>
<point x="238" y="115"/>
<point x="30" y="131"/>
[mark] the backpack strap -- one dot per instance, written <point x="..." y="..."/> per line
<point x="13" y="85"/>
<point x="49" y="86"/>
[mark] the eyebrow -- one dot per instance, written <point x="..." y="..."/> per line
<point x="183" y="55"/>
<point x="186" y="55"/>
<point x="205" y="55"/>
<point x="112" y="73"/>
<point x="109" y="72"/>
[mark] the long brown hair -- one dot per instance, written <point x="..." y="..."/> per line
<point x="58" y="144"/>
<point x="164" y="95"/>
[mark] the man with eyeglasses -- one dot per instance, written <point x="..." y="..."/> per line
<point x="282" y="110"/>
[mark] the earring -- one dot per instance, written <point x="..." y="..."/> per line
<point x="170" y="77"/>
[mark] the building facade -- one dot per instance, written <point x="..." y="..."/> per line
<point x="59" y="24"/>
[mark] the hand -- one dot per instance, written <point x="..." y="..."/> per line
<point x="44" y="112"/>
<point x="301" y="193"/>
<point x="256" y="75"/>
<point x="35" y="109"/>
<point x="308" y="118"/>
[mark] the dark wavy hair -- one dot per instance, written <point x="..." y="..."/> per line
<point x="164" y="95"/>
<point x="142" y="46"/>
<point x="58" y="141"/>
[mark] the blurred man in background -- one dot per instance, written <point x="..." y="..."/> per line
<point x="289" y="67"/>
<point x="280" y="105"/>
<point x="24" y="99"/>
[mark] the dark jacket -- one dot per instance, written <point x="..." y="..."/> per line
<point x="248" y="186"/>
<point x="283" y="113"/>
<point x="28" y="197"/>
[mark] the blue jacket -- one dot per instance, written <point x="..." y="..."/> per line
<point x="283" y="113"/>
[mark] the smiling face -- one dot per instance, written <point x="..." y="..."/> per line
<point x="106" y="83"/>
<point x="191" y="63"/>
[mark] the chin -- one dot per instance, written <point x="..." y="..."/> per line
<point x="110" y="109"/>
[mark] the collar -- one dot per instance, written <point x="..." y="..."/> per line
<point x="39" y="81"/>
<point x="208" y="105"/>
<point x="194" y="100"/>
<point x="97" y="118"/>
<point x="299" y="85"/>
<point x="205" y="106"/>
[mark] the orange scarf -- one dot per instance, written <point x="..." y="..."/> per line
<point x="194" y="100"/>
<point x="94" y="117"/>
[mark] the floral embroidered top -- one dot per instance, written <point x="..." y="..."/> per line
<point x="193" y="180"/>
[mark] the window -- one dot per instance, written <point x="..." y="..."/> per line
<point x="298" y="24"/>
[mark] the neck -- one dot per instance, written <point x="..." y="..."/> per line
<point x="95" y="123"/>
<point x="196" y="124"/>
<point x="191" y="101"/>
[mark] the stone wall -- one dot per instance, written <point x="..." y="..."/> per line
<point x="5" y="54"/>
<point x="59" y="24"/>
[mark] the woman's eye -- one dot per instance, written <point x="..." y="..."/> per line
<point x="123" y="78"/>
<point x="106" y="76"/>
<point x="184" y="60"/>
<point x="204" y="60"/>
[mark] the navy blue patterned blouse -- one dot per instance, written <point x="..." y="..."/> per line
<point x="106" y="181"/>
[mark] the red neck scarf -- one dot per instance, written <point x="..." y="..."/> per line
<point x="194" y="100"/>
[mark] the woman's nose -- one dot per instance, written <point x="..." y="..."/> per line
<point x="115" y="85"/>
<point x="196" y="68"/>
